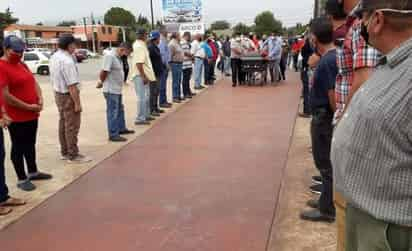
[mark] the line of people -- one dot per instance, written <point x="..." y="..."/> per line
<point x="357" y="86"/>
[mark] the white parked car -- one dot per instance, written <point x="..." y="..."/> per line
<point x="108" y="50"/>
<point x="38" y="62"/>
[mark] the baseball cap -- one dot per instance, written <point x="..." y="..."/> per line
<point x="15" y="43"/>
<point x="154" y="35"/>
<point x="141" y="31"/>
<point x="399" y="6"/>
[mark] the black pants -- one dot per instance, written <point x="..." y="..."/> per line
<point x="321" y="132"/>
<point x="236" y="71"/>
<point x="305" y="91"/>
<point x="283" y="65"/>
<point x="154" y="96"/>
<point x="4" y="191"/>
<point x="23" y="147"/>
<point x="212" y="68"/>
<point x="187" y="75"/>
<point x="295" y="61"/>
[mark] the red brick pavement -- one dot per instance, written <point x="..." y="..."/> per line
<point x="205" y="178"/>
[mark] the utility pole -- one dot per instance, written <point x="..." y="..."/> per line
<point x="85" y="31"/>
<point x="151" y="9"/>
<point x="93" y="38"/>
<point x="316" y="10"/>
<point x="124" y="33"/>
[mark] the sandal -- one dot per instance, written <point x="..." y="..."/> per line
<point x="5" y="211"/>
<point x="13" y="202"/>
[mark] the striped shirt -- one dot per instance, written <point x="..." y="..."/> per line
<point x="372" y="144"/>
<point x="63" y="71"/>
<point x="186" y="47"/>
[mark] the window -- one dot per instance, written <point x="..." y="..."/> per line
<point x="38" y="34"/>
<point x="104" y="30"/>
<point x="31" y="57"/>
<point x="110" y="30"/>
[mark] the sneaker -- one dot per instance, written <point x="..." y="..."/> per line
<point x="313" y="204"/>
<point x="5" y="211"/>
<point x="187" y="97"/>
<point x="150" y="119"/>
<point x="117" y="139"/>
<point x="304" y="115"/>
<point x="316" y="216"/>
<point x="127" y="131"/>
<point x="40" y="176"/>
<point x="160" y="111"/>
<point x="177" y="101"/>
<point x="13" y="202"/>
<point x="317" y="180"/>
<point x="142" y="123"/>
<point x="193" y="94"/>
<point x="64" y="157"/>
<point x="155" y="114"/>
<point x="26" y="185"/>
<point x="199" y="88"/>
<point x="316" y="189"/>
<point x="167" y="105"/>
<point x="80" y="159"/>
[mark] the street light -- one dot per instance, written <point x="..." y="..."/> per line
<point x="151" y="9"/>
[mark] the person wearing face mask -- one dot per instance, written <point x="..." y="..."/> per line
<point x="23" y="103"/>
<point x="323" y="107"/>
<point x="356" y="61"/>
<point x="6" y="201"/>
<point x="65" y="80"/>
<point x="371" y="150"/>
<point x="112" y="76"/>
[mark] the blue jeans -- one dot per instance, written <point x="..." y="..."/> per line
<point x="4" y="191"/>
<point x="115" y="114"/>
<point x="143" y="94"/>
<point x="227" y="65"/>
<point x="198" y="71"/>
<point x="163" y="87"/>
<point x="177" y="79"/>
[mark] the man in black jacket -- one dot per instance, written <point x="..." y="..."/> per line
<point x="159" y="69"/>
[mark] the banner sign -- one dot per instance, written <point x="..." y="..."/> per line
<point x="188" y="14"/>
<point x="193" y="28"/>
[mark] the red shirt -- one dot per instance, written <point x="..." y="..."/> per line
<point x="214" y="50"/>
<point x="22" y="85"/>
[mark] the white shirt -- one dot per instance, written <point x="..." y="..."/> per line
<point x="63" y="71"/>
<point x="198" y="51"/>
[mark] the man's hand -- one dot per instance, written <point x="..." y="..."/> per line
<point x="99" y="85"/>
<point x="41" y="104"/>
<point x="35" y="108"/>
<point x="5" y="121"/>
<point x="77" y="108"/>
<point x="145" y="80"/>
<point x="313" y="61"/>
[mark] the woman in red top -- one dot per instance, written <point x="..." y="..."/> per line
<point x="23" y="103"/>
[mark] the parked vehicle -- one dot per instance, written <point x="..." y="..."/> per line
<point x="88" y="53"/>
<point x="108" y="50"/>
<point x="80" y="56"/>
<point x="37" y="62"/>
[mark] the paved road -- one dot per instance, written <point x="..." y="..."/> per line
<point x="206" y="178"/>
<point x="89" y="71"/>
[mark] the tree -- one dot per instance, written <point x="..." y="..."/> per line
<point x="67" y="23"/>
<point x="220" y="25"/>
<point x="241" y="28"/>
<point x="120" y="17"/>
<point x="39" y="24"/>
<point x="142" y="20"/>
<point x="266" y="23"/>
<point x="6" y="18"/>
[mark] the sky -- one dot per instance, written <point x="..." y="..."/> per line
<point x="289" y="12"/>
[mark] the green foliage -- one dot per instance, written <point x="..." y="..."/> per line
<point x="120" y="17"/>
<point x="220" y="25"/>
<point x="241" y="28"/>
<point x="66" y="23"/>
<point x="6" y="18"/>
<point x="266" y="23"/>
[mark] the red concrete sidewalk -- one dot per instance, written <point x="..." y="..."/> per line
<point x="205" y="178"/>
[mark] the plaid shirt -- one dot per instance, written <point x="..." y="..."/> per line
<point x="354" y="54"/>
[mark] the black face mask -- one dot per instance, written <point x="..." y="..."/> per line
<point x="364" y="33"/>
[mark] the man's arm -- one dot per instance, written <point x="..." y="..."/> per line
<point x="332" y="102"/>
<point x="75" y="95"/>
<point x="13" y="101"/>
<point x="360" y="76"/>
<point x="142" y="74"/>
<point x="39" y="95"/>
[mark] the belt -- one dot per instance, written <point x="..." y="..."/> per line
<point x="173" y="62"/>
<point x="322" y="110"/>
<point x="62" y="94"/>
<point x="199" y="58"/>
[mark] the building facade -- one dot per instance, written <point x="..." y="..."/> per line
<point x="37" y="36"/>
<point x="104" y="36"/>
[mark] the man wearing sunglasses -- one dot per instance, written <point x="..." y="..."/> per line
<point x="372" y="144"/>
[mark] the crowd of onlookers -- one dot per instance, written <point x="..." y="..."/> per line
<point x="357" y="89"/>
